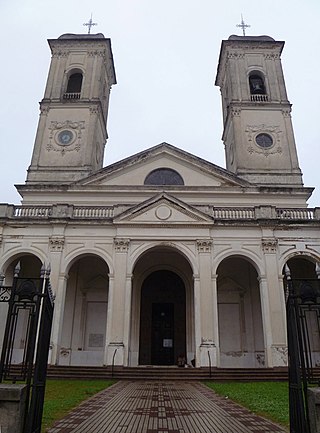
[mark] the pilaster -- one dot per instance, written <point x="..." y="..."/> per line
<point x="207" y="351"/>
<point x="118" y="306"/>
<point x="272" y="300"/>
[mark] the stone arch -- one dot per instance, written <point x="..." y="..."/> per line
<point x="180" y="248"/>
<point x="30" y="267"/>
<point x="161" y="275"/>
<point x="10" y="258"/>
<point x="305" y="282"/>
<point x="312" y="257"/>
<point x="252" y="258"/>
<point x="241" y="336"/>
<point x="72" y="257"/>
<point x="84" y="322"/>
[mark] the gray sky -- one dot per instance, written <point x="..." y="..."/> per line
<point x="165" y="54"/>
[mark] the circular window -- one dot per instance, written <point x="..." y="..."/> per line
<point x="65" y="137"/>
<point x="264" y="140"/>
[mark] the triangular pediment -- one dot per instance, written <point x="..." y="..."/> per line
<point x="195" y="172"/>
<point x="163" y="209"/>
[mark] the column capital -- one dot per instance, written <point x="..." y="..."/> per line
<point x="269" y="245"/>
<point x="121" y="245"/>
<point x="204" y="245"/>
<point x="56" y="243"/>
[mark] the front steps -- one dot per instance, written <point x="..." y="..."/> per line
<point x="168" y="373"/>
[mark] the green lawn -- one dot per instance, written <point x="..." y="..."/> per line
<point x="269" y="399"/>
<point x="63" y="395"/>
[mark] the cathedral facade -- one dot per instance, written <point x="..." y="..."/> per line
<point x="163" y="255"/>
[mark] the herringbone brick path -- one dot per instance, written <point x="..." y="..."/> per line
<point x="161" y="407"/>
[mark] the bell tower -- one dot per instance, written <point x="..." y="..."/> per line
<point x="71" y="134"/>
<point x="258" y="133"/>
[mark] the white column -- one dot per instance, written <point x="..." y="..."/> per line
<point x="266" y="320"/>
<point x="197" y="317"/>
<point x="57" y="324"/>
<point x="127" y="319"/>
<point x="215" y="319"/>
<point x="109" y="318"/>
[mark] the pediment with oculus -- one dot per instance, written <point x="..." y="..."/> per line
<point x="163" y="209"/>
<point x="163" y="165"/>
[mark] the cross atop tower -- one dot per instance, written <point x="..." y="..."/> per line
<point x="243" y="25"/>
<point x="90" y="24"/>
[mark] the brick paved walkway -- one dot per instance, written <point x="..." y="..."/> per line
<point x="161" y="407"/>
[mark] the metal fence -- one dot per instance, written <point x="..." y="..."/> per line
<point x="29" y="319"/>
<point x="303" y="331"/>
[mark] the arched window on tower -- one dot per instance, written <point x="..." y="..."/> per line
<point x="74" y="86"/>
<point x="257" y="88"/>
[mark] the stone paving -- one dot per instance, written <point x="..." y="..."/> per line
<point x="161" y="407"/>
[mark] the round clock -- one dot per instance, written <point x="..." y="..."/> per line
<point x="65" y="137"/>
<point x="264" y="140"/>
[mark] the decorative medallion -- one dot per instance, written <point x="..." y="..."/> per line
<point x="65" y="136"/>
<point x="264" y="139"/>
<point x="163" y="212"/>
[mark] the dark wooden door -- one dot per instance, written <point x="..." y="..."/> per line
<point x="162" y="334"/>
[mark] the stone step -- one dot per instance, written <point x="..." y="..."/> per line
<point x="170" y="373"/>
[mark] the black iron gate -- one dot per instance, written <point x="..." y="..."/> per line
<point x="303" y="331"/>
<point x="30" y="312"/>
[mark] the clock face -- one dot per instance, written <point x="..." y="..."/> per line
<point x="264" y="140"/>
<point x="65" y="137"/>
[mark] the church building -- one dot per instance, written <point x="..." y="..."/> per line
<point x="163" y="254"/>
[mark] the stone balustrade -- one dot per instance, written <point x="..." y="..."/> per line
<point x="106" y="212"/>
<point x="233" y="213"/>
<point x="259" y="98"/>
<point x="32" y="211"/>
<point x="93" y="212"/>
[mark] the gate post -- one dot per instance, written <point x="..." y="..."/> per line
<point x="12" y="407"/>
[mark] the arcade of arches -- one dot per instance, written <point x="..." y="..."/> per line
<point x="160" y="316"/>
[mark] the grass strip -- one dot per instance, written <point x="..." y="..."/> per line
<point x="268" y="399"/>
<point x="63" y="395"/>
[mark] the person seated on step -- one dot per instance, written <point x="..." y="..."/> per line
<point x="181" y="362"/>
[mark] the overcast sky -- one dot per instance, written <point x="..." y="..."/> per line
<point x="165" y="54"/>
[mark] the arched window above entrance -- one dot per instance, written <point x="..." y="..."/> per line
<point x="164" y="176"/>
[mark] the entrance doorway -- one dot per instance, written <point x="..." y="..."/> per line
<point x="162" y="334"/>
<point x="162" y="319"/>
<point x="241" y="335"/>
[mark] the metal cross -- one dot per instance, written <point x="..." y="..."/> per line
<point x="90" y="24"/>
<point x="243" y="26"/>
